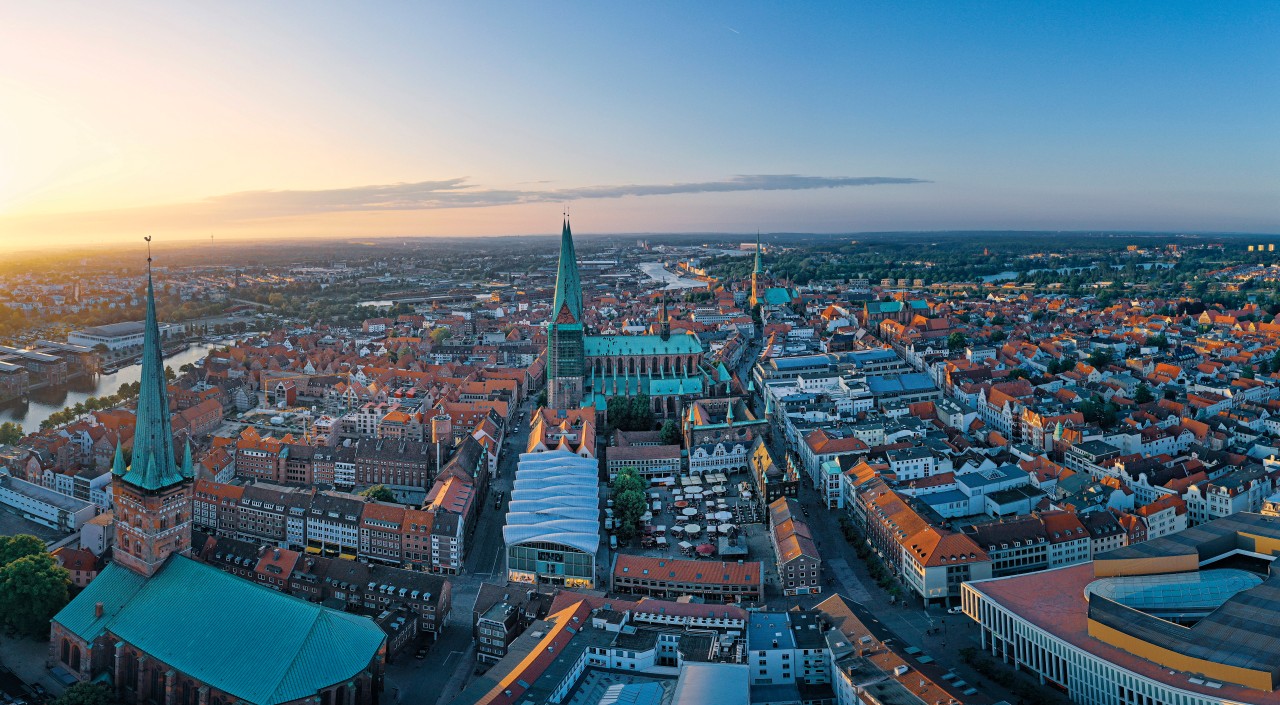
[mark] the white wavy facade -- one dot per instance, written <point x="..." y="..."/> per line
<point x="552" y="532"/>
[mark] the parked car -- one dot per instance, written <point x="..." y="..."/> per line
<point x="956" y="610"/>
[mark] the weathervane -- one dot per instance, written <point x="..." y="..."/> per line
<point x="148" y="239"/>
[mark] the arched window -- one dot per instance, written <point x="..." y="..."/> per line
<point x="74" y="663"/>
<point x="130" y="670"/>
<point x="342" y="695"/>
<point x="66" y="651"/>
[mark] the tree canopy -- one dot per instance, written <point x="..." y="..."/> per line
<point x="630" y="413"/>
<point x="628" y="502"/>
<point x="378" y="493"/>
<point x="10" y="433"/>
<point x="1101" y="357"/>
<point x="87" y="694"/>
<point x="33" y="587"/>
<point x="670" y="434"/>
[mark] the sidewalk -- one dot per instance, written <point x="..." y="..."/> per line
<point x="26" y="657"/>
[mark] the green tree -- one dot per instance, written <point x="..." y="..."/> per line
<point x="10" y="433"/>
<point x="87" y="694"/>
<point x="439" y="335"/>
<point x="627" y="479"/>
<point x="956" y="341"/>
<point x="628" y="501"/>
<point x="14" y="547"/>
<point x="1143" y="394"/>
<point x="628" y="507"/>
<point x="998" y="335"/>
<point x="1018" y="373"/>
<point x="32" y="590"/>
<point x="630" y="413"/>
<point x="378" y="493"/>
<point x="541" y="401"/>
<point x="1247" y="372"/>
<point x="670" y="434"/>
<point x="1101" y="357"/>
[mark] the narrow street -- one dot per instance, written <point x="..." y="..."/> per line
<point x="414" y="681"/>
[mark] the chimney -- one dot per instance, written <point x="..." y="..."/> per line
<point x="97" y="610"/>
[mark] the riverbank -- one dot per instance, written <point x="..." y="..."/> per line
<point x="40" y="404"/>
<point x="658" y="272"/>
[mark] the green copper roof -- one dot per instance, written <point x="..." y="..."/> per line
<point x="256" y="644"/>
<point x="153" y="465"/>
<point x="629" y="386"/>
<point x="568" y="286"/>
<point x="677" y="344"/>
<point x="777" y="296"/>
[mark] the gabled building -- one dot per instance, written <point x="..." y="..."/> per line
<point x="132" y="626"/>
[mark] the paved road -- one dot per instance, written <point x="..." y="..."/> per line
<point x="909" y="623"/>
<point x="451" y="661"/>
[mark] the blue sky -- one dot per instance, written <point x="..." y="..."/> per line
<point x="486" y="118"/>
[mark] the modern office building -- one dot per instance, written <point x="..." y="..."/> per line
<point x="1192" y="618"/>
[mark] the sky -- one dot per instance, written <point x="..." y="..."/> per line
<point x="247" y="119"/>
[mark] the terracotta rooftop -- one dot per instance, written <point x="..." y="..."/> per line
<point x="1054" y="600"/>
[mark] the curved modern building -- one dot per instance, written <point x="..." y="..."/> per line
<point x="553" y="521"/>
<point x="1189" y="619"/>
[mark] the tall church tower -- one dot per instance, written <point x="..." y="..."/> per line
<point x="664" y="320"/>
<point x="153" y="501"/>
<point x="756" y="272"/>
<point x="566" y="357"/>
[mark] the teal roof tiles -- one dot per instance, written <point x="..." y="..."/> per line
<point x="247" y="640"/>
<point x="777" y="296"/>
<point x="621" y="345"/>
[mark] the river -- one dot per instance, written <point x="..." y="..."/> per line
<point x="657" y="272"/>
<point x="44" y="402"/>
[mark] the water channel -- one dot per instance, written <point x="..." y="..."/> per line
<point x="44" y="402"/>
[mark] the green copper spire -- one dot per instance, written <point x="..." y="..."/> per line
<point x="153" y="466"/>
<point x="117" y="466"/>
<point x="567" y="305"/>
<point x="188" y="467"/>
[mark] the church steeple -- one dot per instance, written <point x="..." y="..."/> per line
<point x="566" y="356"/>
<point x="152" y="493"/>
<point x="567" y="305"/>
<point x="664" y="320"/>
<point x="755" y="274"/>
<point x="154" y="465"/>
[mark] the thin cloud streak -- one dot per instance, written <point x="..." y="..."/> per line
<point x="457" y="193"/>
